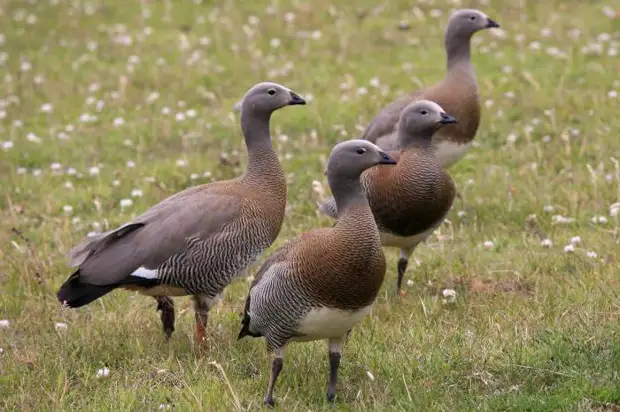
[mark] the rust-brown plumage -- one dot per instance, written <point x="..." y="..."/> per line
<point x="411" y="199"/>
<point x="323" y="282"/>
<point x="457" y="93"/>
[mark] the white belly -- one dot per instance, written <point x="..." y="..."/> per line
<point x="449" y="152"/>
<point x="406" y="243"/>
<point x="325" y="323"/>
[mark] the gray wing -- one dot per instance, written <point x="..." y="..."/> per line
<point x="385" y="122"/>
<point x="159" y="233"/>
<point x="329" y="208"/>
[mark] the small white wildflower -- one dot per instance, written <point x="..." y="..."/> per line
<point x="569" y="248"/>
<point x="361" y="91"/>
<point x="546" y="243"/>
<point x="591" y="254"/>
<point x="448" y="293"/>
<point x="562" y="219"/>
<point x="152" y="97"/>
<point x="181" y="163"/>
<point x="36" y="172"/>
<point x="71" y="171"/>
<point x="119" y="121"/>
<point x="488" y="244"/>
<point x="194" y="176"/>
<point x="370" y="375"/>
<point x="31" y="137"/>
<point x="116" y="182"/>
<point x="25" y="66"/>
<point x="614" y="210"/>
<point x="548" y="208"/>
<point x="575" y="240"/>
<point x="165" y="110"/>
<point x="461" y="213"/>
<point x="136" y="193"/>
<point x="68" y="209"/>
<point x="1" y="351"/>
<point x="374" y="82"/>
<point x="410" y="282"/>
<point x="21" y="170"/>
<point x="191" y="113"/>
<point x="601" y="220"/>
<point x="275" y="43"/>
<point x="289" y="17"/>
<point x="68" y="185"/>
<point x="612" y="94"/>
<point x="60" y="326"/>
<point x="5" y="323"/>
<point x="180" y="116"/>
<point x="6" y="145"/>
<point x="46" y="108"/>
<point x="103" y="372"/>
<point x="131" y="164"/>
<point x="93" y="171"/>
<point x="62" y="136"/>
<point x="126" y="203"/>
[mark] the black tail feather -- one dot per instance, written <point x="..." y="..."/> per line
<point x="75" y="294"/>
<point x="245" y="329"/>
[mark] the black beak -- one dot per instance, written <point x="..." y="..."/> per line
<point x="296" y="99"/>
<point x="386" y="159"/>
<point x="492" y="24"/>
<point x="447" y="119"/>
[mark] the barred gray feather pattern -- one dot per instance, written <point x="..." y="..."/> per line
<point x="340" y="267"/>
<point x="206" y="267"/>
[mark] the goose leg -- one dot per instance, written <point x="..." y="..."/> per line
<point x="166" y="306"/>
<point x="335" y="347"/>
<point x="403" y="261"/>
<point x="202" y="306"/>
<point x="276" y="368"/>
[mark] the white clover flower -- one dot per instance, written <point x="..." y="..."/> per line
<point x="136" y="193"/>
<point x="124" y="203"/>
<point x="575" y="240"/>
<point x="546" y="243"/>
<point x="488" y="244"/>
<point x="4" y="323"/>
<point x="93" y="170"/>
<point x="569" y="248"/>
<point x="60" y="326"/>
<point x="68" y="209"/>
<point x="46" y="108"/>
<point x="591" y="254"/>
<point x="119" y="121"/>
<point x="6" y="145"/>
<point x="103" y="372"/>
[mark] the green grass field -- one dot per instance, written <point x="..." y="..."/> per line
<point x="107" y="107"/>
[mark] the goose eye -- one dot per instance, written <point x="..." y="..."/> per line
<point x="360" y="151"/>
<point x="472" y="18"/>
<point x="271" y="92"/>
<point x="424" y="112"/>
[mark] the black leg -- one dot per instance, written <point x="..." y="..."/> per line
<point x="276" y="368"/>
<point x="166" y="306"/>
<point x="334" y="364"/>
<point x="402" y="268"/>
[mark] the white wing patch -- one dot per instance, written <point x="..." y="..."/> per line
<point x="145" y="273"/>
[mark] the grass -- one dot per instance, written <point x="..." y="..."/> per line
<point x="532" y="328"/>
